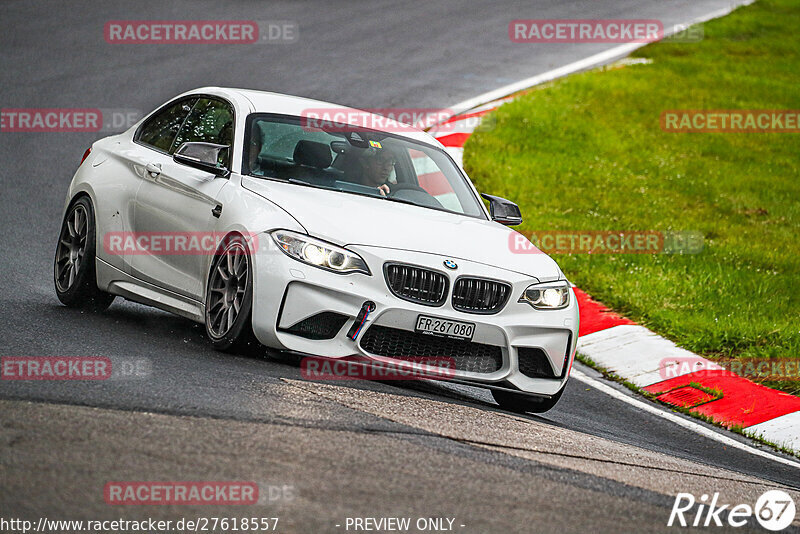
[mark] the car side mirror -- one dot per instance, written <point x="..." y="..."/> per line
<point x="203" y="156"/>
<point x="503" y="211"/>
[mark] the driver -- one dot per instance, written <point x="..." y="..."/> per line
<point x="374" y="167"/>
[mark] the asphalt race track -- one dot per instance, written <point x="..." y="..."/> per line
<point x="346" y="449"/>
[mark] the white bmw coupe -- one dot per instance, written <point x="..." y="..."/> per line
<point x="234" y="209"/>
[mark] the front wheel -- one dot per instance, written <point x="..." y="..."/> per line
<point x="229" y="299"/>
<point x="521" y="403"/>
<point x="74" y="270"/>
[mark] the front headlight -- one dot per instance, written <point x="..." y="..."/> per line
<point x="547" y="296"/>
<point x="319" y="253"/>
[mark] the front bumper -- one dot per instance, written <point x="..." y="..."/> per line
<point x="286" y="292"/>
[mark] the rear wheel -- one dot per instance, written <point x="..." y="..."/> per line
<point x="74" y="270"/>
<point x="521" y="403"/>
<point x="229" y="299"/>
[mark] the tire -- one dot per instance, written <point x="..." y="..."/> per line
<point x="74" y="269"/>
<point x="521" y="403"/>
<point x="229" y="299"/>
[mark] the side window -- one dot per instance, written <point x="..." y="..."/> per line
<point x="160" y="130"/>
<point x="211" y="121"/>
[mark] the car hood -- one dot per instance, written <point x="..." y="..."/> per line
<point x="349" y="219"/>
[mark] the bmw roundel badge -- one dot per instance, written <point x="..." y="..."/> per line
<point x="450" y="264"/>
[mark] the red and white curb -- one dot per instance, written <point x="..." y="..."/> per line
<point x="630" y="351"/>
<point x="673" y="375"/>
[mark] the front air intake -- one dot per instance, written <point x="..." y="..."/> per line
<point x="324" y="325"/>
<point x="534" y="363"/>
<point x="406" y="345"/>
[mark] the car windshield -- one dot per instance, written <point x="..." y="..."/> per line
<point x="365" y="162"/>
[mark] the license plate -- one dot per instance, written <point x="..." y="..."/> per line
<point x="444" y="327"/>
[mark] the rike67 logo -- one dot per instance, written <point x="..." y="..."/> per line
<point x="774" y="510"/>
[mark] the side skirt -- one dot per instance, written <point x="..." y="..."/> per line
<point x="117" y="282"/>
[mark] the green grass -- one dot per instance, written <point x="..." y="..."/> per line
<point x="587" y="153"/>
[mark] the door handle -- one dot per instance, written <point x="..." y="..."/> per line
<point x="217" y="211"/>
<point x="154" y="169"/>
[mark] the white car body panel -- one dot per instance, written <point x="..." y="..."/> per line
<point x="127" y="198"/>
<point x="347" y="219"/>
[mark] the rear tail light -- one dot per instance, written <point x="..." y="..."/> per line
<point x="86" y="154"/>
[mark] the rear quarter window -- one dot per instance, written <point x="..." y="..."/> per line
<point x="160" y="130"/>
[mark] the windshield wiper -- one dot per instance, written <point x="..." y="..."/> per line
<point x="295" y="181"/>
<point x="402" y="201"/>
